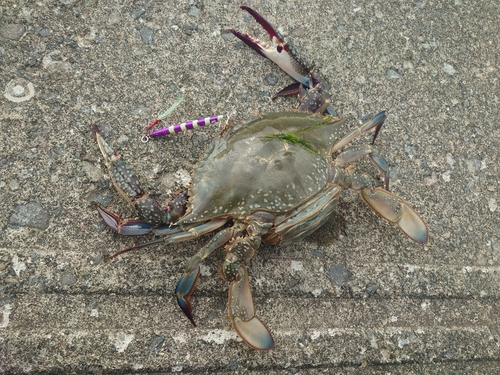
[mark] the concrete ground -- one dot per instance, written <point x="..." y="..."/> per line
<point x="356" y="296"/>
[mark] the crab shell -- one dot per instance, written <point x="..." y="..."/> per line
<point x="262" y="167"/>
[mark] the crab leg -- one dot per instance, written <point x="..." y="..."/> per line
<point x="354" y="153"/>
<point x="242" y="314"/>
<point x="187" y="282"/>
<point x="240" y="303"/>
<point x="395" y="210"/>
<point x="387" y="205"/>
<point x="177" y="234"/>
<point x="375" y="122"/>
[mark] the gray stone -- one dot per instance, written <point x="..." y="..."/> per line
<point x="147" y="35"/>
<point x="271" y="79"/>
<point x="371" y="290"/>
<point x="228" y="36"/>
<point x="448" y="69"/>
<point x="42" y="31"/>
<point x="68" y="278"/>
<point x="339" y="274"/>
<point x="392" y="74"/>
<point x="12" y="31"/>
<point x="156" y="343"/>
<point x="138" y="13"/>
<point x="31" y="215"/>
<point x="194" y="11"/>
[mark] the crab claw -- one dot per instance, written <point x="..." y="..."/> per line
<point x="127" y="227"/>
<point x="281" y="53"/>
<point x="242" y="314"/>
<point x="128" y="186"/>
<point x="394" y="209"/>
<point x="183" y="291"/>
<point x="285" y="55"/>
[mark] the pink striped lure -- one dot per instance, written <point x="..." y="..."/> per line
<point x="189" y="125"/>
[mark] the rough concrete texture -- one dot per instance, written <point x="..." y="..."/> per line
<point x="356" y="296"/>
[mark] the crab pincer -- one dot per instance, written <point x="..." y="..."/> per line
<point x="286" y="56"/>
<point x="151" y="213"/>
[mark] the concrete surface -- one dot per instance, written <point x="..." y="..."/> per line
<point x="355" y="297"/>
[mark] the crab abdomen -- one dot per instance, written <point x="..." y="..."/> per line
<point x="273" y="163"/>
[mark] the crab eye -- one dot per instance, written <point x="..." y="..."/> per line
<point x="279" y="49"/>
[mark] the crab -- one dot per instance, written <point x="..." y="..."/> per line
<point x="273" y="180"/>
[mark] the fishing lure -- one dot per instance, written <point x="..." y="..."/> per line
<point x="177" y="128"/>
<point x="185" y="126"/>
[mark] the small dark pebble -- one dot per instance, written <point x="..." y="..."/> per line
<point x="68" y="279"/>
<point x="317" y="253"/>
<point x="57" y="212"/>
<point x="147" y="35"/>
<point x="371" y="290"/>
<point x="233" y="364"/>
<point x="136" y="14"/>
<point x="43" y="32"/>
<point x="339" y="274"/>
<point x="293" y="282"/>
<point x="156" y="343"/>
<point x="104" y="199"/>
<point x="11" y="271"/>
<point x="33" y="280"/>
<point x="103" y="184"/>
<point x="97" y="260"/>
<point x="271" y="79"/>
<point x="190" y="27"/>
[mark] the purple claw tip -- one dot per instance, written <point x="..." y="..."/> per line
<point x="262" y="21"/>
<point x="95" y="128"/>
<point x="186" y="308"/>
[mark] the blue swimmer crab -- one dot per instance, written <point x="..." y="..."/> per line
<point x="273" y="179"/>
